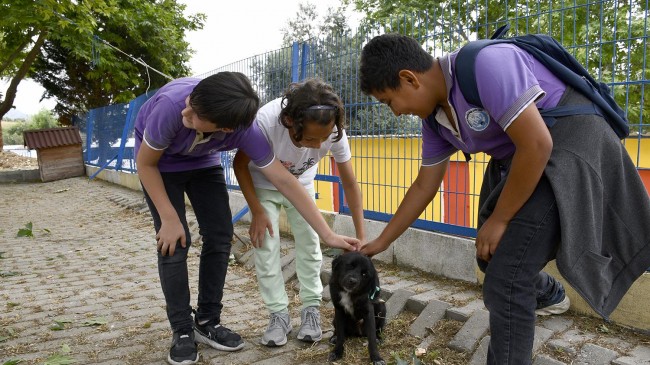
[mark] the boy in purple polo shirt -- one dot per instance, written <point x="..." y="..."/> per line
<point x="548" y="193"/>
<point x="179" y="132"/>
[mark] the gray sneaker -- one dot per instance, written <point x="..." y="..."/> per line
<point x="279" y="328"/>
<point x="310" y="330"/>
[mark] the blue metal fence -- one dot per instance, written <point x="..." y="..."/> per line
<point x="609" y="37"/>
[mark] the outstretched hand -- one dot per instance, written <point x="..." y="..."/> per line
<point x="373" y="247"/>
<point x="344" y="242"/>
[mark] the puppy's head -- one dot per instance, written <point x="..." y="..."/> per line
<point x="354" y="273"/>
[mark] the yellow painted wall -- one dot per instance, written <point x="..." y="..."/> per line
<point x="386" y="166"/>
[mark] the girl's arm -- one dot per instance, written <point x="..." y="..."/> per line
<point x="171" y="229"/>
<point x="533" y="144"/>
<point x="291" y="188"/>
<point x="259" y="220"/>
<point x="419" y="195"/>
<point x="353" y="196"/>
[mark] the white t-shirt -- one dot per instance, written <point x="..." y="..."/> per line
<point x="302" y="162"/>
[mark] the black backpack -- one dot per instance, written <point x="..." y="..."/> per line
<point x="561" y="63"/>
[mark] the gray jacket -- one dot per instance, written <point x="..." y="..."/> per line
<point x="604" y="210"/>
<point x="603" y="205"/>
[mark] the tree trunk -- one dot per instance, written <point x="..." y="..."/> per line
<point x="17" y="51"/>
<point x="10" y="94"/>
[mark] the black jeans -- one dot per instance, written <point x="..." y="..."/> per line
<point x="206" y="190"/>
<point x="514" y="281"/>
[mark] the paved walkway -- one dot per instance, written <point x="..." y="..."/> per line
<point x="85" y="288"/>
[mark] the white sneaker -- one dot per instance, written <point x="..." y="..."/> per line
<point x="557" y="308"/>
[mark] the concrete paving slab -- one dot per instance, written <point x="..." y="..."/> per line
<point x="591" y="354"/>
<point x="472" y="331"/>
<point x="428" y="318"/>
<point x="640" y="355"/>
<point x="396" y="303"/>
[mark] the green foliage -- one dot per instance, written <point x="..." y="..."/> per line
<point x="12" y="362"/>
<point x="41" y="120"/>
<point x="26" y="232"/>
<point x="61" y="357"/>
<point x="82" y="71"/>
<point x="414" y="360"/>
<point x="606" y="37"/>
<point x="59" y="324"/>
<point x="99" y="321"/>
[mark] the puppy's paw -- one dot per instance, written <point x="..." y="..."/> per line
<point x="379" y="362"/>
<point x="334" y="356"/>
<point x="333" y="340"/>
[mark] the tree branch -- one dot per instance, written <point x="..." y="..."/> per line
<point x="16" y="52"/>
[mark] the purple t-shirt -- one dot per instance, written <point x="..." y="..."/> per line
<point x="508" y="80"/>
<point x="160" y="125"/>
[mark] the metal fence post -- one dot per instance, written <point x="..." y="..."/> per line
<point x="303" y="60"/>
<point x="295" y="54"/>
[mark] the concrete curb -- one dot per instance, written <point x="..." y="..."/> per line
<point x="19" y="176"/>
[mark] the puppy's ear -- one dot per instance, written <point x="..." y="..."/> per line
<point x="335" y="262"/>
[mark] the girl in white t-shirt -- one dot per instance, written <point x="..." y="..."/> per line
<point x="302" y="127"/>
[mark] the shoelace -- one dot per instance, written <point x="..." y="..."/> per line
<point x="312" y="317"/>
<point x="275" y="319"/>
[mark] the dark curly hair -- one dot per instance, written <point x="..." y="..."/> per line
<point x="312" y="100"/>
<point x="226" y="99"/>
<point x="385" y="56"/>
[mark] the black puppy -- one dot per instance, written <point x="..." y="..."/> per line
<point x="358" y="311"/>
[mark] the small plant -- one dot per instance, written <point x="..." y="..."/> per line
<point x="26" y="232"/>
<point x="12" y="362"/>
<point x="61" y="357"/>
<point x="413" y="361"/>
<point x="6" y="333"/>
<point x="59" y="324"/>
<point x="100" y="321"/>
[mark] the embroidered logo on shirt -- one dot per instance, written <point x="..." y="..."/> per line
<point x="477" y="119"/>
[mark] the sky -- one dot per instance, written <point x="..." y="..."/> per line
<point x="248" y="28"/>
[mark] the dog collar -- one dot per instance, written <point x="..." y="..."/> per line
<point x="374" y="292"/>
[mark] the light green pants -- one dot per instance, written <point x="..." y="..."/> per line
<point x="308" y="255"/>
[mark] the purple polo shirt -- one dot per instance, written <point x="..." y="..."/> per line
<point x="160" y="125"/>
<point x="508" y="80"/>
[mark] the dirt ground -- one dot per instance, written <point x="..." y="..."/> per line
<point x="12" y="161"/>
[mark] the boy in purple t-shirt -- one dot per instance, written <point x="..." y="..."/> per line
<point x="179" y="132"/>
<point x="548" y="192"/>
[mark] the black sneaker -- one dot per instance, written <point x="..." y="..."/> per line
<point x="183" y="350"/>
<point x="217" y="336"/>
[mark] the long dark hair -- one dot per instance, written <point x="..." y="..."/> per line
<point x="312" y="100"/>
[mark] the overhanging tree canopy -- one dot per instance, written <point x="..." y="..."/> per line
<point x="51" y="41"/>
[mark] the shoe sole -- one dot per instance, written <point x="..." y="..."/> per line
<point x="308" y="338"/>
<point x="558" y="308"/>
<point x="184" y="362"/>
<point x="215" y="345"/>
<point x="272" y="343"/>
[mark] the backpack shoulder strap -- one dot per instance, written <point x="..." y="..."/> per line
<point x="465" y="60"/>
<point x="465" y="71"/>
